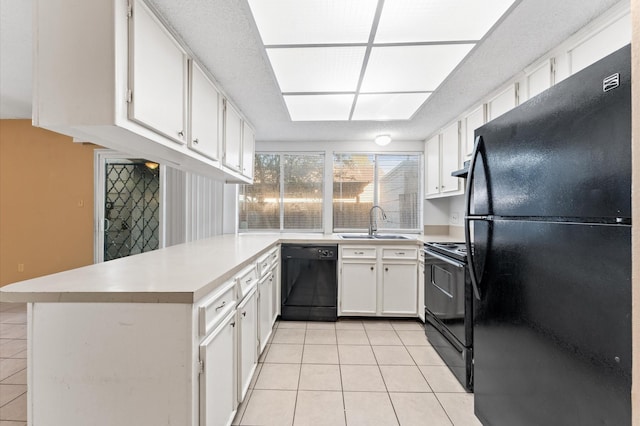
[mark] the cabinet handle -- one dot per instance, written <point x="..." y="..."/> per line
<point x="233" y="324"/>
<point x="386" y="269"/>
<point x="359" y="252"/>
<point x="224" y="302"/>
<point x="442" y="187"/>
<point x="372" y="268"/>
<point x="244" y="314"/>
<point x="180" y="133"/>
<point x="195" y="141"/>
<point x="249" y="280"/>
<point x="400" y="253"/>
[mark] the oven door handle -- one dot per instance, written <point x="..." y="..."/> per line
<point x="450" y="261"/>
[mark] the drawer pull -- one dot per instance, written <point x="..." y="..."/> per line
<point x="386" y="269"/>
<point x="400" y="253"/>
<point x="224" y="302"/>
<point x="359" y="252"/>
<point x="244" y="314"/>
<point x="233" y="324"/>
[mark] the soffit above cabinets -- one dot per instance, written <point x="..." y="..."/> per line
<point x="383" y="57"/>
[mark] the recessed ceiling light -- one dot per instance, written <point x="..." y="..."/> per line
<point x="319" y="107"/>
<point x="290" y="22"/>
<point x="404" y="21"/>
<point x="317" y="69"/>
<point x="388" y="106"/>
<point x="324" y="51"/>
<point x="411" y="68"/>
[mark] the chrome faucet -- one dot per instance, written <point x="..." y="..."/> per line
<point x="373" y="222"/>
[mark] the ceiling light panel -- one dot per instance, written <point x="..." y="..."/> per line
<point x="317" y="69"/>
<point x="319" y="107"/>
<point x="388" y="106"/>
<point x="287" y="22"/>
<point x="404" y="21"/>
<point x="411" y="68"/>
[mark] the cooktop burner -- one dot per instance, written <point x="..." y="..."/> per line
<point x="455" y="249"/>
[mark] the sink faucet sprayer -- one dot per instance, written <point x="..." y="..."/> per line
<point x="373" y="222"/>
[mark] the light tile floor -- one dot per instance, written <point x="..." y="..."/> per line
<point x="351" y="372"/>
<point x="13" y="364"/>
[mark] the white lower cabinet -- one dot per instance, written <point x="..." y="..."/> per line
<point x="399" y="289"/>
<point x="265" y="317"/>
<point x="248" y="341"/>
<point x="218" y="380"/>
<point x="378" y="281"/>
<point x="358" y="290"/>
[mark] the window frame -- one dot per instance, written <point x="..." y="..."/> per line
<point x="420" y="202"/>
<point x="281" y="228"/>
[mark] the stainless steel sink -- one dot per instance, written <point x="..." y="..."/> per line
<point x="373" y="237"/>
<point x="356" y="236"/>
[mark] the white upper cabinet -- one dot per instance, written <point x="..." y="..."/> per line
<point x="232" y="137"/>
<point x="450" y="151"/>
<point x="205" y="114"/>
<point x="248" y="150"/>
<point x="540" y="79"/>
<point x="471" y="123"/>
<point x="432" y="162"/>
<point x="158" y="76"/>
<point x="129" y="87"/>
<point x="502" y="103"/>
<point x="442" y="154"/>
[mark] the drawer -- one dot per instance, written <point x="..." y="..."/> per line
<point x="247" y="278"/>
<point x="358" y="252"/>
<point x="265" y="262"/>
<point x="409" y="253"/>
<point x="214" y="309"/>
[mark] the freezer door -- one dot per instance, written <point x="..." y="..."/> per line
<point x="564" y="153"/>
<point x="552" y="329"/>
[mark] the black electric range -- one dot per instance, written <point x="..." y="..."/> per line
<point x="449" y="307"/>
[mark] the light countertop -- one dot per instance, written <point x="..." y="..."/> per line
<point x="182" y="273"/>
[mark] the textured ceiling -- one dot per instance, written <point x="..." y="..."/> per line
<point x="222" y="35"/>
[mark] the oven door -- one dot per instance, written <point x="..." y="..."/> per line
<point x="445" y="295"/>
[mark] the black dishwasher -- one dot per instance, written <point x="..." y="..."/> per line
<point x="309" y="282"/>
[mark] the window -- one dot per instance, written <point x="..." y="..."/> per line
<point x="391" y="181"/>
<point x="286" y="193"/>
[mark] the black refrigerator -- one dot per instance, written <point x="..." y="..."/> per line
<point x="549" y="217"/>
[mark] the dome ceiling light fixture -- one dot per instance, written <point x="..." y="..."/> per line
<point x="382" y="140"/>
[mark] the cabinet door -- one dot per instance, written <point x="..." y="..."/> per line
<point x="358" y="288"/>
<point x="399" y="289"/>
<point x="502" y="103"/>
<point x="218" y="380"/>
<point x="248" y="150"/>
<point x="248" y="347"/>
<point x="450" y="149"/>
<point x="232" y="137"/>
<point x="157" y="76"/>
<point x="275" y="294"/>
<point x="204" y="114"/>
<point x="432" y="152"/>
<point x="265" y="288"/>
<point x="472" y="122"/>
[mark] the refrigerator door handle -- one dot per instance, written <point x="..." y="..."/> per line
<point x="468" y="218"/>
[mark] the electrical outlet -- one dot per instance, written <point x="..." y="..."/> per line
<point x="455" y="217"/>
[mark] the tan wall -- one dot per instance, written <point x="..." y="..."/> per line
<point x="635" y="198"/>
<point x="46" y="202"/>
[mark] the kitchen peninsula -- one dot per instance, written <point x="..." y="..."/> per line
<point x="128" y="339"/>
